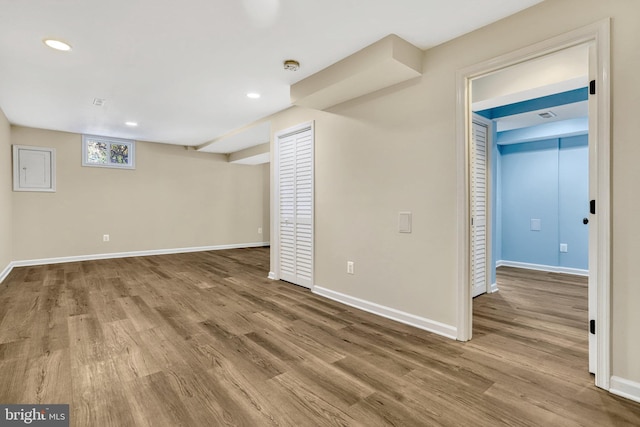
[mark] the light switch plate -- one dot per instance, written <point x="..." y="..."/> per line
<point x="404" y="222"/>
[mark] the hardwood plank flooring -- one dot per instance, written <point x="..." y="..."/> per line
<point x="204" y="339"/>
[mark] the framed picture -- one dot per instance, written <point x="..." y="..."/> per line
<point x="106" y="152"/>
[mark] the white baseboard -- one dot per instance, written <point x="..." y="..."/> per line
<point x="625" y="388"/>
<point x="541" y="267"/>
<point x="494" y="288"/>
<point x="6" y="271"/>
<point x="272" y="275"/>
<point x="390" y="313"/>
<point x="92" y="257"/>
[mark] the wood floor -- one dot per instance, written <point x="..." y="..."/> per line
<point x="204" y="339"/>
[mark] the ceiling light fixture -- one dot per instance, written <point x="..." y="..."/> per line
<point x="253" y="95"/>
<point x="131" y="124"/>
<point x="291" y="65"/>
<point x="57" y="45"/>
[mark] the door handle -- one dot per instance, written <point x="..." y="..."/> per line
<point x="585" y="220"/>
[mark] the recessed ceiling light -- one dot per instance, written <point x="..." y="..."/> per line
<point x="253" y="95"/>
<point x="57" y="45"/>
<point x="131" y="124"/>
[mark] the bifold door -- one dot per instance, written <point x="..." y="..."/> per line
<point x="295" y="184"/>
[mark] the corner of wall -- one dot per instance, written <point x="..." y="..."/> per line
<point x="6" y="198"/>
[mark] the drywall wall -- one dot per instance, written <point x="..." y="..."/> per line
<point x="547" y="181"/>
<point x="175" y="198"/>
<point x="530" y="194"/>
<point x="573" y="201"/>
<point x="266" y="201"/>
<point x="6" y="185"/>
<point x="394" y="150"/>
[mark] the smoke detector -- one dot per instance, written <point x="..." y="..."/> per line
<point x="291" y="65"/>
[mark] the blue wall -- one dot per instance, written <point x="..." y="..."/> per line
<point x="545" y="180"/>
<point x="574" y="201"/>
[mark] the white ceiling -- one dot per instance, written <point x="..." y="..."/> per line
<point x="182" y="69"/>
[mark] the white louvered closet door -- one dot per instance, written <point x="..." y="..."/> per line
<point x="295" y="160"/>
<point x="479" y="209"/>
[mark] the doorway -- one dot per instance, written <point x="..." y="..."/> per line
<point x="596" y="37"/>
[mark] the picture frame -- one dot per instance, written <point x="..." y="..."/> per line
<point x="107" y="152"/>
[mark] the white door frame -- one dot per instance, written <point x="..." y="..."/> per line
<point x="274" y="261"/>
<point x="600" y="131"/>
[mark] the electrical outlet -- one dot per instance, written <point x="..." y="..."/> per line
<point x="349" y="267"/>
<point x="564" y="247"/>
<point x="105" y="237"/>
<point x="259" y="230"/>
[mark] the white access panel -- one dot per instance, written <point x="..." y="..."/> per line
<point x="34" y="168"/>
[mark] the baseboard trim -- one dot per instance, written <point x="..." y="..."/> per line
<point x="6" y="272"/>
<point x="541" y="267"/>
<point x="625" y="388"/>
<point x="93" y="257"/>
<point x="388" y="312"/>
<point x="272" y="275"/>
<point x="494" y="288"/>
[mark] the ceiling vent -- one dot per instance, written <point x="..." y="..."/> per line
<point x="547" y="114"/>
<point x="99" y="102"/>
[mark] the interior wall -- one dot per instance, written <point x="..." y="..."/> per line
<point x="573" y="196"/>
<point x="6" y="185"/>
<point x="530" y="193"/>
<point x="546" y="181"/>
<point x="266" y="201"/>
<point x="175" y="198"/>
<point x="372" y="163"/>
<point x="395" y="150"/>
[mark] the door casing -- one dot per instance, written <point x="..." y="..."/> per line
<point x="597" y="34"/>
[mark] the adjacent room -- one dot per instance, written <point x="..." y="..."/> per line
<point x="272" y="212"/>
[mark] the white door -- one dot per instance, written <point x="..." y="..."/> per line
<point x="479" y="229"/>
<point x="295" y="206"/>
